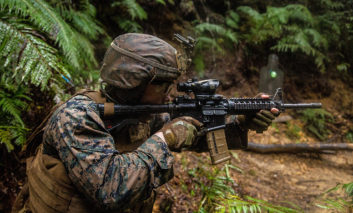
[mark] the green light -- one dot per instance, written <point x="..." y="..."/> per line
<point x="273" y="74"/>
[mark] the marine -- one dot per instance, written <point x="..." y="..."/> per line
<point x="84" y="165"/>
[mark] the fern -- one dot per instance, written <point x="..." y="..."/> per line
<point x="41" y="43"/>
<point x="213" y="37"/>
<point x="338" y="203"/>
<point x="81" y="18"/>
<point x="10" y="135"/>
<point x="219" y="196"/>
<point x="19" y="43"/>
<point x="293" y="27"/>
<point x="134" y="9"/>
<point x="232" y="20"/>
<point x="129" y="26"/>
<point x="12" y="102"/>
<point x="217" y="31"/>
<point x="75" y="46"/>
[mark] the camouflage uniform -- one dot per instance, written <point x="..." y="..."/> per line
<point x="116" y="170"/>
<point x="113" y="180"/>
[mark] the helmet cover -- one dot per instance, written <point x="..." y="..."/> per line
<point x="134" y="59"/>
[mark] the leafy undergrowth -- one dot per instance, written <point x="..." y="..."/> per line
<point x="199" y="187"/>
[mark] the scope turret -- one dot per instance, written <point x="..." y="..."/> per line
<point x="204" y="87"/>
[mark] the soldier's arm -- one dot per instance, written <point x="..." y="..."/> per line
<point x="96" y="168"/>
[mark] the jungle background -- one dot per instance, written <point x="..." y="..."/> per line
<point x="50" y="49"/>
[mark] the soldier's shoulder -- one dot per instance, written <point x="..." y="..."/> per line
<point x="77" y="105"/>
<point x="80" y="101"/>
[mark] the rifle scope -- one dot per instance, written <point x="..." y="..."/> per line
<point x="205" y="87"/>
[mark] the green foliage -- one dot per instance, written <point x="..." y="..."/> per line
<point x="218" y="194"/>
<point x="337" y="203"/>
<point x="71" y="39"/>
<point x="29" y="56"/>
<point x="129" y="25"/>
<point x="293" y="131"/>
<point x="44" y="41"/>
<point x="320" y="30"/>
<point x="134" y="11"/>
<point x="315" y="122"/>
<point x="12" y="102"/>
<point x="293" y="28"/>
<point x="45" y="44"/>
<point x="214" y="37"/>
<point x="133" y="8"/>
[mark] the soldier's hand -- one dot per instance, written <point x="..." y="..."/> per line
<point x="180" y="132"/>
<point x="260" y="121"/>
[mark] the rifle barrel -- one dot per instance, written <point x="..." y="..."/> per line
<point x="302" y="105"/>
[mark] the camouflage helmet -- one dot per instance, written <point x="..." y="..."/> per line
<point x="134" y="59"/>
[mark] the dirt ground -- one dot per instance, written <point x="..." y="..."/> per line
<point x="299" y="179"/>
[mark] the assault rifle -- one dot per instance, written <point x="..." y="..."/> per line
<point x="209" y="108"/>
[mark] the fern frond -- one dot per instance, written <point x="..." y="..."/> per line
<point x="212" y="28"/>
<point x="9" y="107"/>
<point x="86" y="24"/>
<point x="338" y="204"/>
<point x="215" y="31"/>
<point x="219" y="196"/>
<point x="8" y="134"/>
<point x="232" y="20"/>
<point x="207" y="42"/>
<point x="73" y="45"/>
<point x="317" y="38"/>
<point x="129" y="26"/>
<point x="12" y="102"/>
<point x="301" y="13"/>
<point x="81" y="18"/>
<point x="277" y="15"/>
<point x="36" y="59"/>
<point x="5" y="138"/>
<point x="134" y="9"/>
<point x="253" y="15"/>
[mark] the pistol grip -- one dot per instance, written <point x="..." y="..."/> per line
<point x="217" y="146"/>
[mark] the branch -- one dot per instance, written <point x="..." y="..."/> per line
<point x="297" y="148"/>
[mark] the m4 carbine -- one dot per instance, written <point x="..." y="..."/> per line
<point x="209" y="108"/>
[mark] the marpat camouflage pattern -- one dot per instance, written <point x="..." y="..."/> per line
<point x="111" y="179"/>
